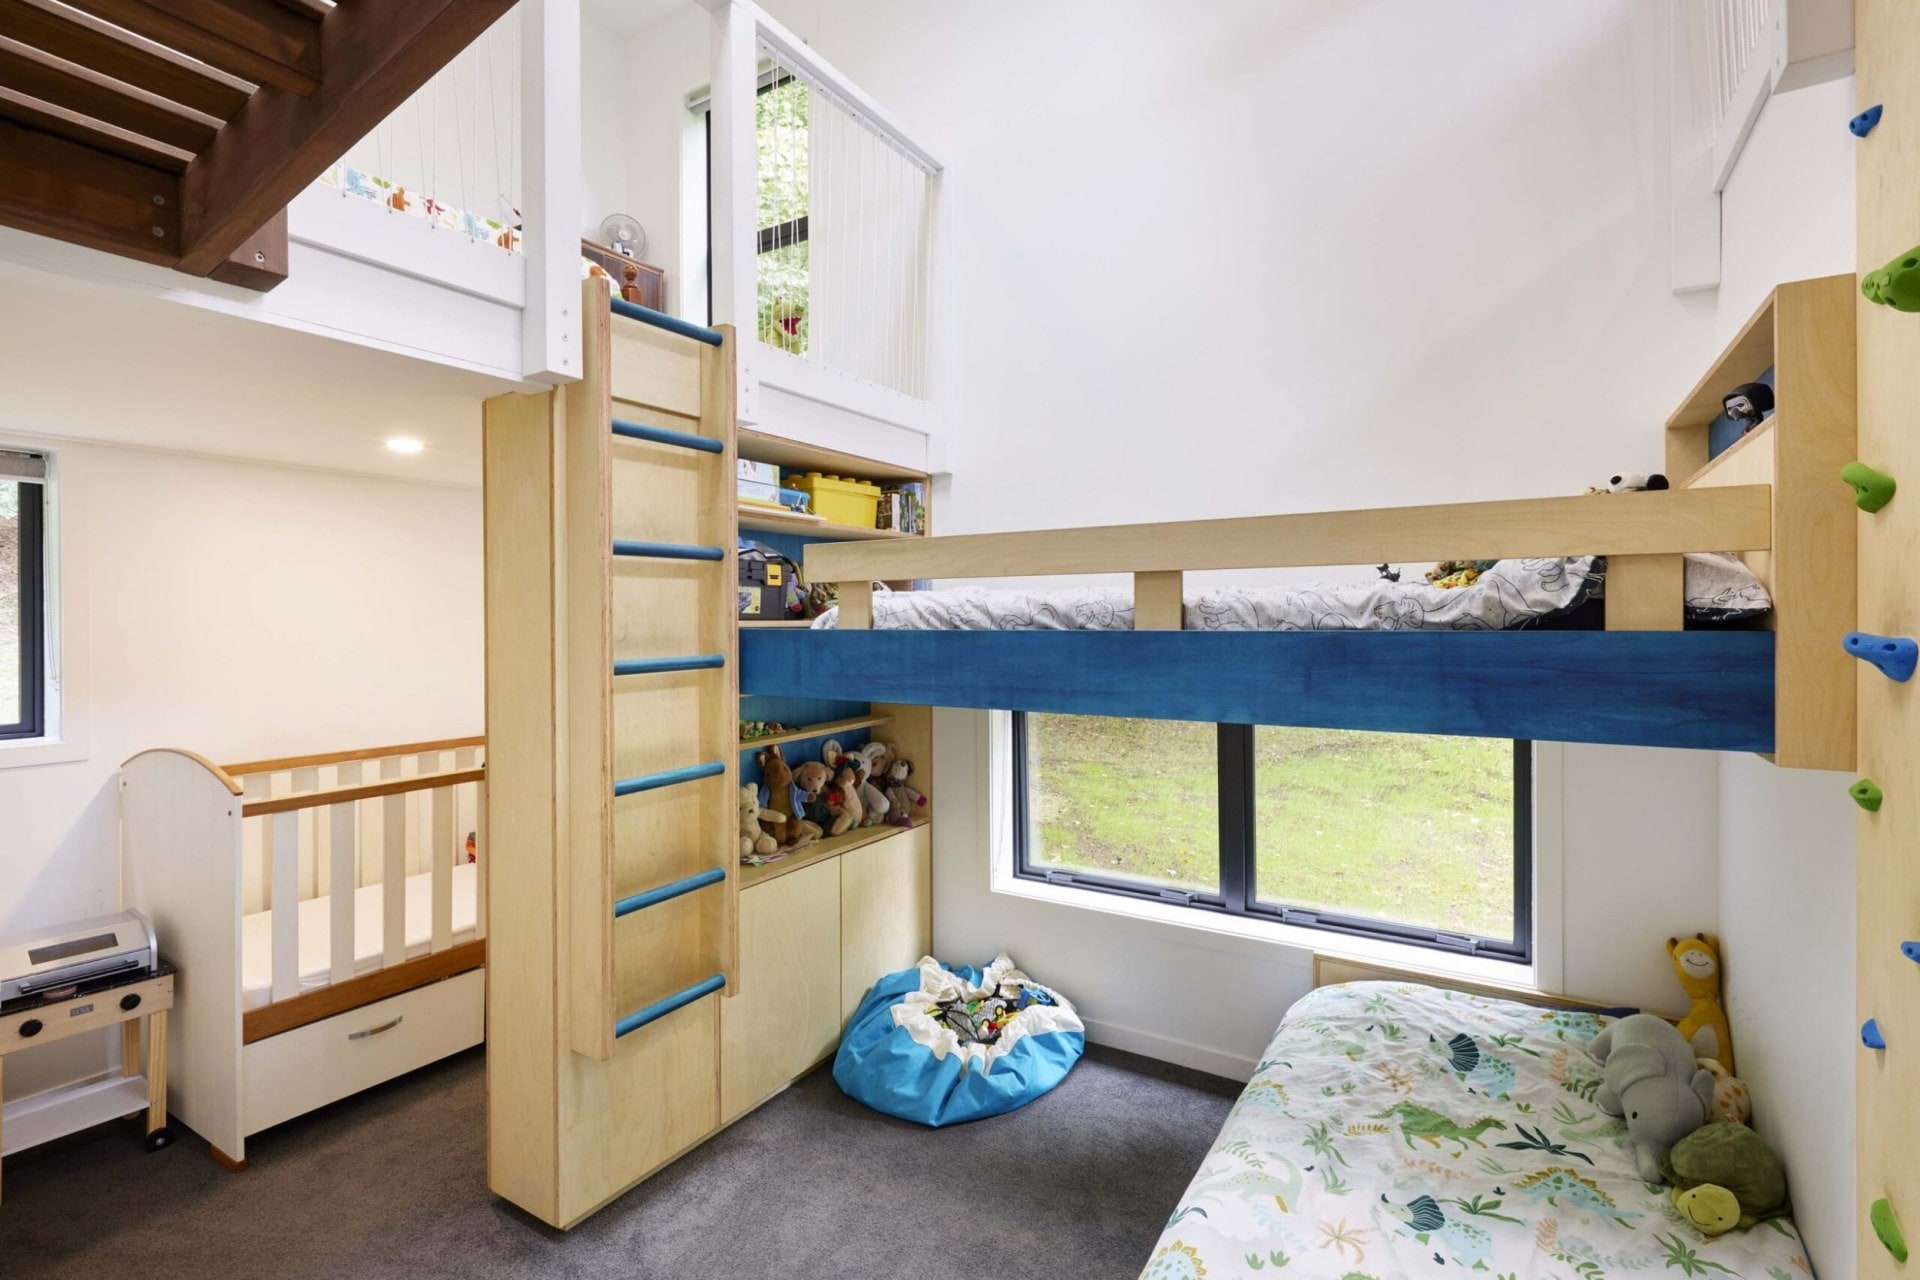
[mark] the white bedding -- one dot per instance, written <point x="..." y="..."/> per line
<point x="369" y="933"/>
<point x="1513" y="593"/>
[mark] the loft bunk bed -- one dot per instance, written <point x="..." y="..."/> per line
<point x="1783" y="687"/>
<point x="175" y="133"/>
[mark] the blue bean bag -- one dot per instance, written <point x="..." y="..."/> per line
<point x="941" y="1046"/>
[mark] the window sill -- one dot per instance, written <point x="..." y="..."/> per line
<point x="25" y="753"/>
<point x="1204" y="928"/>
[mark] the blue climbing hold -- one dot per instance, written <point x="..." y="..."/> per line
<point x="1862" y="124"/>
<point x="1870" y="1035"/>
<point x="1896" y="656"/>
<point x="1911" y="950"/>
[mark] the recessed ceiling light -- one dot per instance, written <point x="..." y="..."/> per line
<point x="405" y="444"/>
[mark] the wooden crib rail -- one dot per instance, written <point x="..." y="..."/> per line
<point x="366" y="791"/>
<point x="1643" y="534"/>
<point x="287" y="763"/>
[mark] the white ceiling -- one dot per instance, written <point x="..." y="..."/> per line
<point x="630" y="16"/>
<point x="88" y="361"/>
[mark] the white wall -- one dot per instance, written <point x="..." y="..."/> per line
<point x="241" y="610"/>
<point x="1787" y="836"/>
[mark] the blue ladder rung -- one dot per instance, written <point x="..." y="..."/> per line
<point x="666" y="435"/>
<point x="660" y="666"/>
<point x="662" y="893"/>
<point x="667" y="550"/>
<point x="668" y="778"/>
<point x="661" y="320"/>
<point x="661" y="1008"/>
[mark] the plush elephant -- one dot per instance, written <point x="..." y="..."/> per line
<point x="1651" y="1079"/>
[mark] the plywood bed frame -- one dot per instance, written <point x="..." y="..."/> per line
<point x="1774" y="498"/>
<point x="205" y="849"/>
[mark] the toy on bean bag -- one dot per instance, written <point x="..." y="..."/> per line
<point x="1449" y="574"/>
<point x="754" y="840"/>
<point x="940" y="1046"/>
<point x="782" y="810"/>
<point x="1725" y="1176"/>
<point x="1697" y="961"/>
<point x="1650" y="1079"/>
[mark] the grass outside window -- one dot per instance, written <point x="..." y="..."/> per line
<point x="1414" y="838"/>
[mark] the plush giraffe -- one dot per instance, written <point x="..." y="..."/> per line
<point x="1697" y="961"/>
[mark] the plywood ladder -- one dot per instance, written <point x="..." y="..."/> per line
<point x="612" y="705"/>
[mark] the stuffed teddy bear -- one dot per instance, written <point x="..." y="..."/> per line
<point x="902" y="799"/>
<point x="753" y="837"/>
<point x="780" y="817"/>
<point x="873" y="802"/>
<point x="811" y="780"/>
<point x="843" y="801"/>
<point x="1650" y="1078"/>
<point x="1697" y="961"/>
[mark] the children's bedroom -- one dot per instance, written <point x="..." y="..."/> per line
<point x="832" y="638"/>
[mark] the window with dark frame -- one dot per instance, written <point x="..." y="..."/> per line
<point x="23" y="593"/>
<point x="1406" y="838"/>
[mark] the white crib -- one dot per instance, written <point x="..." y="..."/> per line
<point x="327" y="914"/>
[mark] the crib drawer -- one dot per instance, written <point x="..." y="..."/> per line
<point x="294" y="1072"/>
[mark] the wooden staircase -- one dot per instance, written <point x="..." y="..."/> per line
<point x="176" y="131"/>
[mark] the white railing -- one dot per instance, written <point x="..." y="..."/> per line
<point x="472" y="187"/>
<point x="845" y="234"/>
<point x="1728" y="58"/>
<point x="825" y="225"/>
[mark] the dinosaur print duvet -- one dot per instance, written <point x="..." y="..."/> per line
<point x="1402" y="1131"/>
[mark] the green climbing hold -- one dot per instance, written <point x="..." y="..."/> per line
<point x="1867" y="794"/>
<point x="1872" y="489"/>
<point x="1897" y="284"/>
<point x="1881" y="1215"/>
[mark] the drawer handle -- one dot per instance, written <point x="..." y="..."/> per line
<point x="374" y="1031"/>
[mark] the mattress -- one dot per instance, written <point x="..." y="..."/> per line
<point x="1392" y="1130"/>
<point x="369" y="932"/>
<point x="1510" y="595"/>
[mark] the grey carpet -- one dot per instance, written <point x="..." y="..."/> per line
<point x="392" y="1183"/>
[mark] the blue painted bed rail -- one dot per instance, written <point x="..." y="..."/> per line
<point x="1705" y="689"/>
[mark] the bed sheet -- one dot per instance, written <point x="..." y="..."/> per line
<point x="1510" y="595"/>
<point x="1394" y="1130"/>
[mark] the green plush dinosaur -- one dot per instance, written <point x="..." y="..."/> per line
<point x="1431" y="1127"/>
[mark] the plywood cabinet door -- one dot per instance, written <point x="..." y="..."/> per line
<point x="786" y="1017"/>
<point x="886" y="911"/>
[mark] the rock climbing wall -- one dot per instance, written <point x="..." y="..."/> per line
<point x="1887" y="1123"/>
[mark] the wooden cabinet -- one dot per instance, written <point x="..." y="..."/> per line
<point x="812" y="941"/>
<point x="787" y="1014"/>
<point x="886" y="924"/>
